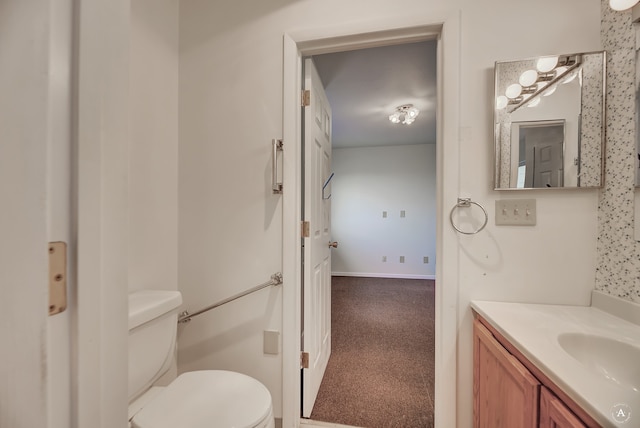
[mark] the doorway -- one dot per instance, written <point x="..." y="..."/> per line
<point x="447" y="31"/>
<point x="383" y="213"/>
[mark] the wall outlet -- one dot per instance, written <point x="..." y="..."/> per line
<point x="516" y="212"/>
<point x="384" y="259"/>
<point x="384" y="214"/>
<point x="271" y="344"/>
<point x="401" y="259"/>
<point x="425" y="259"/>
<point x="403" y="214"/>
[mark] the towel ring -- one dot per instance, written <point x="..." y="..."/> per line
<point x="465" y="203"/>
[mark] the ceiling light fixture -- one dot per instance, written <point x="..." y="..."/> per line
<point x="404" y="114"/>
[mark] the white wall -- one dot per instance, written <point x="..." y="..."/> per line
<point x="371" y="180"/>
<point x="229" y="222"/>
<point x="24" y="120"/>
<point x="153" y="149"/>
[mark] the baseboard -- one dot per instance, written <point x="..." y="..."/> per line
<point x="383" y="275"/>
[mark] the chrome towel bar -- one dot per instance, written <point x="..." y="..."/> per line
<point x="185" y="317"/>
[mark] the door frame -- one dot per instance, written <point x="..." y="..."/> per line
<point x="100" y="201"/>
<point x="316" y="41"/>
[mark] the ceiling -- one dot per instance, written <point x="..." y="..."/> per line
<point x="365" y="86"/>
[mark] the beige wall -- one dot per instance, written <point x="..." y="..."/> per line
<point x="153" y="148"/>
<point x="231" y="107"/>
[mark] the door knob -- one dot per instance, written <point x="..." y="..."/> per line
<point x="333" y="244"/>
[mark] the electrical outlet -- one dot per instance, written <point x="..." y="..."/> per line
<point x="401" y="259"/>
<point x="384" y="214"/>
<point x="403" y="214"/>
<point x="516" y="212"/>
<point x="271" y="343"/>
<point x="384" y="259"/>
<point x="425" y="259"/>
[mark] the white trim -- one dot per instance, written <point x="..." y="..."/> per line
<point x="101" y="172"/>
<point x="382" y="275"/>
<point x="356" y="36"/>
<point x="447" y="248"/>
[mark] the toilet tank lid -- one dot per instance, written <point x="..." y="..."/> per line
<point x="145" y="305"/>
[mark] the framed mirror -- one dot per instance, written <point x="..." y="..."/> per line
<point x="549" y="122"/>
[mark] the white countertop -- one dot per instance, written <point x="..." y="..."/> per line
<point x="533" y="329"/>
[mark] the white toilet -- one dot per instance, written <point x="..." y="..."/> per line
<point x="197" y="399"/>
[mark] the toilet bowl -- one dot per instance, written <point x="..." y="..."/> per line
<point x="196" y="399"/>
<point x="208" y="399"/>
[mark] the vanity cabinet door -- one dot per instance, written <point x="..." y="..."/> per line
<point x="554" y="414"/>
<point x="506" y="394"/>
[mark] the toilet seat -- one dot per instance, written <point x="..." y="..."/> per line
<point x="208" y="399"/>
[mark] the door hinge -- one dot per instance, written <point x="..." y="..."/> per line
<point x="57" y="277"/>
<point x="304" y="360"/>
<point x="306" y="98"/>
<point x="305" y="229"/>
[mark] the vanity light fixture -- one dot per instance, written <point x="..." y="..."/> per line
<point x="550" y="91"/>
<point x="528" y="78"/>
<point x="501" y="102"/>
<point x="513" y="91"/>
<point x="404" y="114"/>
<point x="531" y="83"/>
<point x="546" y="64"/>
<point x="621" y="5"/>
<point x="534" y="102"/>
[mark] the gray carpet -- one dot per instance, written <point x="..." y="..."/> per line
<point x="381" y="370"/>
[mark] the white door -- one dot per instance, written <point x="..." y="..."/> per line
<point x="544" y="146"/>
<point x="316" y="330"/>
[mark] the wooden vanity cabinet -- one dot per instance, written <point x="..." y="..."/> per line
<point x="508" y="395"/>
<point x="554" y="414"/>
<point x="505" y="392"/>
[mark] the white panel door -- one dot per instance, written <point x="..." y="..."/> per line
<point x="317" y="255"/>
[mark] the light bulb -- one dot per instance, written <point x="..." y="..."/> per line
<point x="513" y="91"/>
<point x="550" y="91"/>
<point x="501" y="102"/>
<point x="622" y="4"/>
<point x="546" y="64"/>
<point x="534" y="102"/>
<point x="570" y="77"/>
<point x="528" y="78"/>
<point x="394" y="118"/>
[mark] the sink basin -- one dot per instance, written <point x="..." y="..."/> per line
<point x="617" y="361"/>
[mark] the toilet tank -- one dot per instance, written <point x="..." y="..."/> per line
<point x="153" y="323"/>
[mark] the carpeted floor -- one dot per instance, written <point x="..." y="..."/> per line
<point x="381" y="370"/>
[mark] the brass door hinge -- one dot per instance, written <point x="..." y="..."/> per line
<point x="306" y="98"/>
<point x="304" y="360"/>
<point x="57" y="277"/>
<point x="305" y="229"/>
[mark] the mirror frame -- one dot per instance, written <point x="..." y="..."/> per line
<point x="586" y="115"/>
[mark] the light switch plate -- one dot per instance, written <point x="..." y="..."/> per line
<point x="516" y="212"/>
